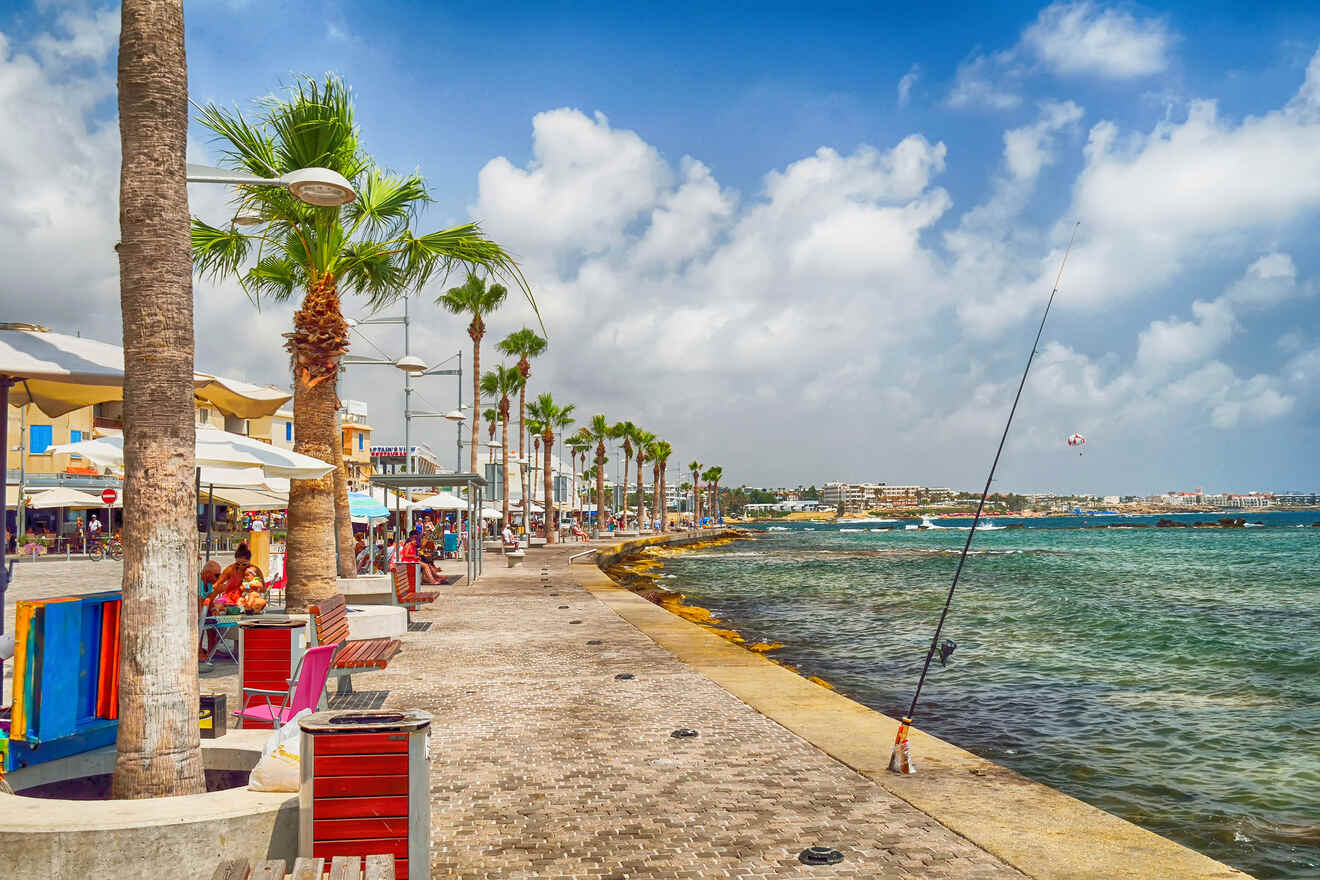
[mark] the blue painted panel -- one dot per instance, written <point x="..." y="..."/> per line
<point x="89" y="658"/>
<point x="25" y="754"/>
<point x="60" y="662"/>
<point x="39" y="438"/>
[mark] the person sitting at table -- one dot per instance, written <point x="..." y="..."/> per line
<point x="241" y="584"/>
<point x="409" y="555"/>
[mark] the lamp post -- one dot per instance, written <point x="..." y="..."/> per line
<point x="314" y="186"/>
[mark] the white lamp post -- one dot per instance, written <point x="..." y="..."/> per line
<point x="314" y="186"/>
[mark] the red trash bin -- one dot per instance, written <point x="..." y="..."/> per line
<point x="366" y="787"/>
<point x="268" y="651"/>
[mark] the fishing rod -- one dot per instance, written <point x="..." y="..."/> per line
<point x="900" y="760"/>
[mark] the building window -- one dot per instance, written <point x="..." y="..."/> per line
<point x="75" y="437"/>
<point x="203" y="415"/>
<point x="360" y="437"/>
<point x="39" y="439"/>
<point x="288" y="432"/>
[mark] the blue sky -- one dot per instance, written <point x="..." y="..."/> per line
<point x="804" y="246"/>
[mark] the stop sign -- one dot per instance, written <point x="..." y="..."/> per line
<point x="109" y="496"/>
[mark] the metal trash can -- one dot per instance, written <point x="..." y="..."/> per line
<point x="269" y="649"/>
<point x="366" y="787"/>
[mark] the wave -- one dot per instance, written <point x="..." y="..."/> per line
<point x="777" y="529"/>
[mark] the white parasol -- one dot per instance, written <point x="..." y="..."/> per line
<point x="215" y="448"/>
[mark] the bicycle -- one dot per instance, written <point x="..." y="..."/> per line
<point x="102" y="549"/>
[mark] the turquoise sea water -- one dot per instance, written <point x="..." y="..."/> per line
<point x="1169" y="676"/>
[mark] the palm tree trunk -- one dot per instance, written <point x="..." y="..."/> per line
<point x="504" y="478"/>
<point x="696" y="500"/>
<point x="600" y="486"/>
<point x="159" y="744"/>
<point x="662" y="502"/>
<point x="641" y="519"/>
<point x="319" y="337"/>
<point x="343" y="521"/>
<point x="623" y="502"/>
<point x="551" y="533"/>
<point x="476" y="398"/>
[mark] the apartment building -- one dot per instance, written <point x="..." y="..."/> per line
<point x="861" y="497"/>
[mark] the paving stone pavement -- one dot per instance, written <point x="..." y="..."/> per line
<point x="545" y="765"/>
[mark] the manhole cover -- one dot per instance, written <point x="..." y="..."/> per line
<point x="820" y="855"/>
<point x="684" y="733"/>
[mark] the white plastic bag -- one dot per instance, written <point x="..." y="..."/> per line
<point x="280" y="767"/>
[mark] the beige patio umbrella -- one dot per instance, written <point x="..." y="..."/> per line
<point x="61" y="373"/>
<point x="63" y="497"/>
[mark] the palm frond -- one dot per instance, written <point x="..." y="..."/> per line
<point x="313" y="127"/>
<point x="218" y="252"/>
<point x="249" y="148"/>
<point x="368" y="267"/>
<point x="440" y="252"/>
<point x="277" y="277"/>
<point x="386" y="205"/>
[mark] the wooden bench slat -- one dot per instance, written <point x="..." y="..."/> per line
<point x="345" y="868"/>
<point x="379" y="867"/>
<point x="271" y="869"/>
<point x="231" y="869"/>
<point x="308" y="869"/>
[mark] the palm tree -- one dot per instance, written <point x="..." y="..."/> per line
<point x="695" y="467"/>
<point x="685" y="487"/>
<point x="524" y="344"/>
<point x="367" y="247"/>
<point x="501" y="383"/>
<point x="660" y="455"/>
<point x="624" y="431"/>
<point x="550" y="417"/>
<point x="159" y="749"/>
<point x="577" y="445"/>
<point x="712" y="477"/>
<point x="474" y="298"/>
<point x="598" y="431"/>
<point x="643" y="441"/>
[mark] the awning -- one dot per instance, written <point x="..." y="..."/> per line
<point x="62" y="497"/>
<point x="215" y="448"/>
<point x="440" y="501"/>
<point x="61" y="373"/>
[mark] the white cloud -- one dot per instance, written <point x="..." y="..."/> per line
<point x="1066" y="38"/>
<point x="1085" y="37"/>
<point x="979" y="83"/>
<point x="1028" y="149"/>
<point x="906" y="83"/>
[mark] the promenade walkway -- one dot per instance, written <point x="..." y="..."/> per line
<point x="546" y="764"/>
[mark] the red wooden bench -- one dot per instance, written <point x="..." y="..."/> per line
<point x="406" y="577"/>
<point x="329" y="620"/>
<point x="379" y="867"/>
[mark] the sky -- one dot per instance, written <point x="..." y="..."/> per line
<point x="804" y="248"/>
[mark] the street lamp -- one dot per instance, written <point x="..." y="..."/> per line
<point x="314" y="186"/>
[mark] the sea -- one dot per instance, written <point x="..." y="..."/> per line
<point x="1170" y="676"/>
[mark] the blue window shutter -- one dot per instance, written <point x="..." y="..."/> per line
<point x="288" y="432"/>
<point x="75" y="436"/>
<point x="360" y="442"/>
<point x="39" y="439"/>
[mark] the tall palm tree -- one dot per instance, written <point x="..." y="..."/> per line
<point x="296" y="249"/>
<point x="695" y="467"/>
<point x="159" y="749"/>
<point x="474" y="298"/>
<point x="660" y="455"/>
<point x="624" y="431"/>
<point x="501" y="383"/>
<point x="712" y="476"/>
<point x="578" y="445"/>
<point x="525" y="345"/>
<point x="598" y="431"/>
<point x="642" y="440"/>
<point x="550" y="417"/>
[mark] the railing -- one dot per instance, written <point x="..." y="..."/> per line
<point x="580" y="555"/>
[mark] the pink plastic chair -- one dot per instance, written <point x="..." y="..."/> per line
<point x="305" y="689"/>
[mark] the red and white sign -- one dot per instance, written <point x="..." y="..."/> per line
<point x="109" y="496"/>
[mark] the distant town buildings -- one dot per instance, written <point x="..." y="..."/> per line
<point x="861" y="497"/>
